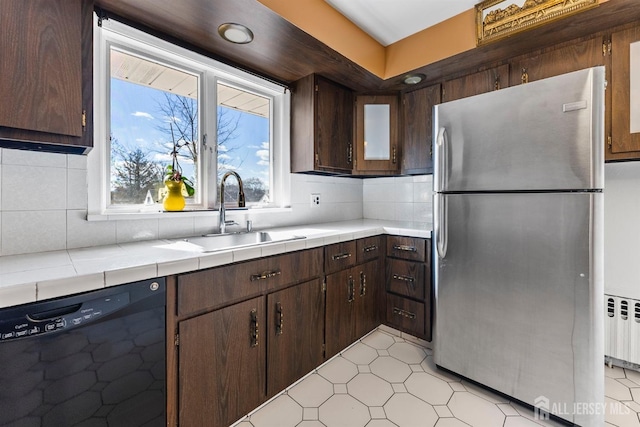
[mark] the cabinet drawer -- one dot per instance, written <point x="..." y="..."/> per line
<point x="339" y="256"/>
<point x="410" y="248"/>
<point x="406" y="315"/>
<point x="216" y="287"/>
<point x="406" y="278"/>
<point x="368" y="248"/>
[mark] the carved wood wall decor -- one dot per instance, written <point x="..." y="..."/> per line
<point x="496" y="19"/>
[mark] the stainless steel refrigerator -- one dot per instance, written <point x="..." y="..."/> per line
<point x="518" y="242"/>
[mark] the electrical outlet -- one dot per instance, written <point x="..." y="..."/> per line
<point x="315" y="199"/>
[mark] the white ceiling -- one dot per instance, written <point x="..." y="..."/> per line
<point x="388" y="21"/>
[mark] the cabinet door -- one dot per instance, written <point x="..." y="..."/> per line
<point x="475" y="84"/>
<point x="625" y="141"/>
<point x="376" y="133"/>
<point x="296" y="333"/>
<point x="222" y="357"/>
<point x="368" y="290"/>
<point x="340" y="311"/>
<point x="417" y="124"/>
<point x="573" y="57"/>
<point x="46" y="53"/>
<point x="334" y="126"/>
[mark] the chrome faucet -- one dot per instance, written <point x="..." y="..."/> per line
<point x="222" y="218"/>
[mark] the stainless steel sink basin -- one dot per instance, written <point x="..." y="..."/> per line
<point x="220" y="242"/>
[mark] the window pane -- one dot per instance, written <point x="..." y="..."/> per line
<point x="154" y="112"/>
<point x="244" y="143"/>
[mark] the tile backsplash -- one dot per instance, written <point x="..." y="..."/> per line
<point x="43" y="205"/>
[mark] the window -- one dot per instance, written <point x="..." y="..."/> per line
<point x="154" y="100"/>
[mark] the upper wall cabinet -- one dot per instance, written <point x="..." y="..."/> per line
<point x="46" y="71"/>
<point x="321" y="127"/>
<point x="625" y="115"/>
<point x="377" y="134"/>
<point x="572" y="57"/>
<point x="476" y="83"/>
<point x="416" y="149"/>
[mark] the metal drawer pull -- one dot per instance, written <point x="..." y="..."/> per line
<point x="405" y="248"/>
<point x="404" y="278"/>
<point x="370" y="248"/>
<point x="404" y="313"/>
<point x="363" y="284"/>
<point x="253" y="329"/>
<point x="280" y="319"/>
<point x="265" y="275"/>
<point x="341" y="256"/>
<point x="352" y="291"/>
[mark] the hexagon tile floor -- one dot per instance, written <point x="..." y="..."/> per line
<point x="388" y="379"/>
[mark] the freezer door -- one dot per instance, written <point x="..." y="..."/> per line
<point x="519" y="295"/>
<point x="544" y="135"/>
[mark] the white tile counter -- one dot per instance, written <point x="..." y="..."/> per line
<point x="35" y="277"/>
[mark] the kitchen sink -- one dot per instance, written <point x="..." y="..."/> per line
<point x="220" y="242"/>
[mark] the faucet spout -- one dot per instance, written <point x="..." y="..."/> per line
<point x="241" y="201"/>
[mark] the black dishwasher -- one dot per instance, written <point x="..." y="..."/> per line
<point x="91" y="359"/>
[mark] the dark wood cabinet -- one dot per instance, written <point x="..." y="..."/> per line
<point x="321" y="126"/>
<point x="222" y="368"/>
<point x="46" y="70"/>
<point x="295" y="333"/>
<point x="354" y="292"/>
<point x="409" y="289"/>
<point x="549" y="63"/>
<point x="243" y="332"/>
<point x="340" y="311"/>
<point x="379" y="152"/>
<point x="416" y="148"/>
<point x="476" y="83"/>
<point x="623" y="143"/>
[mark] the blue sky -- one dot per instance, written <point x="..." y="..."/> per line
<point x="135" y="117"/>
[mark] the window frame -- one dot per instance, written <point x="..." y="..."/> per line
<point x="210" y="72"/>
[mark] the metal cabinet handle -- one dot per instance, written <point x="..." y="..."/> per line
<point x="350" y="153"/>
<point x="265" y="275"/>
<point x="352" y="292"/>
<point x="402" y="278"/>
<point x="344" y="255"/>
<point x="363" y="284"/>
<point x="253" y="329"/>
<point x="280" y="322"/>
<point x="370" y="248"/>
<point x="404" y="313"/>
<point x="405" y="248"/>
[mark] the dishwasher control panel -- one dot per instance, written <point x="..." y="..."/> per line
<point x="52" y="320"/>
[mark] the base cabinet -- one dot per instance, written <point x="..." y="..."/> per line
<point x="222" y="368"/>
<point x="409" y="290"/>
<point x="295" y="334"/>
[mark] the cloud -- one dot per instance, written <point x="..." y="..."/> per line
<point x="140" y="140"/>
<point x="263" y="154"/>
<point x="222" y="148"/>
<point x="224" y="156"/>
<point x="142" y="114"/>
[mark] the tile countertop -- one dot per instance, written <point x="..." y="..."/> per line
<point x="40" y="276"/>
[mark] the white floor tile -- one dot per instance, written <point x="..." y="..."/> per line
<point x="342" y="410"/>
<point x="338" y="370"/>
<point x="386" y="381"/>
<point x="616" y="390"/>
<point x="475" y="410"/>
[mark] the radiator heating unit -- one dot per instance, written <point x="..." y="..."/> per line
<point x="622" y="331"/>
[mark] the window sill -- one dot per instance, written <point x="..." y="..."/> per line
<point x="152" y="214"/>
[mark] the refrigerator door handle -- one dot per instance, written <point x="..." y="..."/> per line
<point x="440" y="224"/>
<point x="441" y="158"/>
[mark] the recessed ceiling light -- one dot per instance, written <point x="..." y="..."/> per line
<point x="413" y="79"/>
<point x="235" y="33"/>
